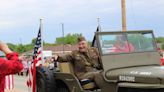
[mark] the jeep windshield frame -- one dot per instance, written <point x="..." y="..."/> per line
<point x="125" y="42"/>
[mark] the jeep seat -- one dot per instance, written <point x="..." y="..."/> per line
<point x="88" y="84"/>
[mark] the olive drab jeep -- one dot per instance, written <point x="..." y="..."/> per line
<point x="130" y="63"/>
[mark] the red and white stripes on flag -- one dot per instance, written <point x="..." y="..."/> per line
<point x="38" y="49"/>
<point x="39" y="57"/>
<point x="29" y="80"/>
<point x="9" y="82"/>
<point x="37" y="61"/>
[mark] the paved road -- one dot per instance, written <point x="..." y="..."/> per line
<point x="19" y="84"/>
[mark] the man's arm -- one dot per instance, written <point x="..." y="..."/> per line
<point x="4" y="48"/>
<point x="63" y="58"/>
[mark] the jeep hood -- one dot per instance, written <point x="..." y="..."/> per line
<point x="142" y="74"/>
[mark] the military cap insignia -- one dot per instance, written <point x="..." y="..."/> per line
<point x="77" y="55"/>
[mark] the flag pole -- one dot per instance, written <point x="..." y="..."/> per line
<point x="41" y="29"/>
<point x="35" y="58"/>
<point x="97" y="30"/>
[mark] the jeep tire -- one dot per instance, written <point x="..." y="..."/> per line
<point x="45" y="80"/>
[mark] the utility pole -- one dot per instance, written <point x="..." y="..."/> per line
<point x="20" y="39"/>
<point x="123" y="7"/>
<point x="63" y="35"/>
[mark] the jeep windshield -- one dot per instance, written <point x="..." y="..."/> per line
<point x="111" y="43"/>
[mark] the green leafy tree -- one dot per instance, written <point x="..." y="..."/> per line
<point x="29" y="47"/>
<point x="59" y="40"/>
<point x="12" y="46"/>
<point x="21" y="48"/>
<point x="33" y="41"/>
<point x="140" y="42"/>
<point x="160" y="40"/>
<point x="162" y="46"/>
<point x="68" y="39"/>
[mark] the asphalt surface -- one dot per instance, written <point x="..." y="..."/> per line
<point x="19" y="84"/>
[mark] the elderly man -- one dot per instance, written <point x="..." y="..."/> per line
<point x="86" y="62"/>
<point x="11" y="65"/>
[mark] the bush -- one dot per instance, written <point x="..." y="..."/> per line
<point x="162" y="46"/>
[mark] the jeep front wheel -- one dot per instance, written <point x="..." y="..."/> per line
<point x="45" y="80"/>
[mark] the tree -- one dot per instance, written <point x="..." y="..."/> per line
<point x="60" y="40"/>
<point x="21" y="48"/>
<point x="68" y="39"/>
<point x="12" y="46"/>
<point x="33" y="41"/>
<point x="162" y="46"/>
<point x="160" y="40"/>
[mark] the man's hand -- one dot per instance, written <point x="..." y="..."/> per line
<point x="4" y="48"/>
<point x="55" y="57"/>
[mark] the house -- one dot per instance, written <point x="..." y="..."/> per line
<point x="59" y="49"/>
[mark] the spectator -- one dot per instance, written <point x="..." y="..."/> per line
<point x="122" y="45"/>
<point x="162" y="59"/>
<point x="46" y="63"/>
<point x="28" y="64"/>
<point x="8" y="66"/>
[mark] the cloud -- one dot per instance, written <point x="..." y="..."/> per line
<point x="79" y="16"/>
<point x="143" y="7"/>
<point x="23" y="12"/>
<point x="6" y="23"/>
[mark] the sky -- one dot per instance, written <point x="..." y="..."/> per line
<point x="20" y="19"/>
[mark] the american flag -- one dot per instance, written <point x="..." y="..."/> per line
<point x="38" y="49"/>
<point x="37" y="60"/>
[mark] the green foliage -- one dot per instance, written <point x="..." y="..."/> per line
<point x="140" y="42"/>
<point x="49" y="44"/>
<point x="68" y="39"/>
<point x="21" y="48"/>
<point x="162" y="46"/>
<point x="59" y="40"/>
<point x="29" y="47"/>
<point x="33" y="41"/>
<point x="160" y="40"/>
<point x="12" y="46"/>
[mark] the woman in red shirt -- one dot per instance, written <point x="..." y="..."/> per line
<point x="11" y="65"/>
<point x="122" y="45"/>
<point x="162" y="59"/>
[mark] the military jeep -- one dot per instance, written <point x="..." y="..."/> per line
<point x="131" y="70"/>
